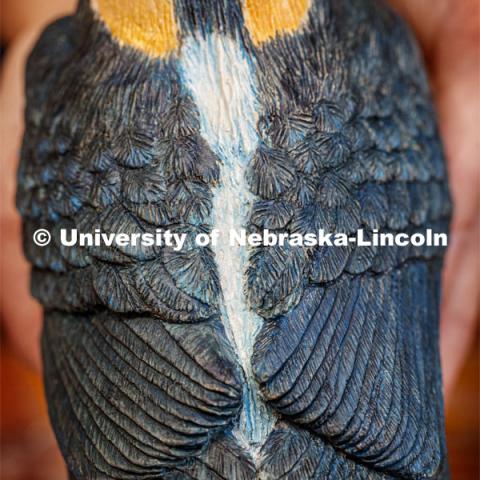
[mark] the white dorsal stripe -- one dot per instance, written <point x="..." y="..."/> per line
<point x="220" y="79"/>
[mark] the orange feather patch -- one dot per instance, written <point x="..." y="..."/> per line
<point x="267" y="18"/>
<point x="148" y="25"/>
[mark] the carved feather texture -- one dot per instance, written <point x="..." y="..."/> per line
<point x="132" y="396"/>
<point x="347" y="364"/>
<point x="142" y="377"/>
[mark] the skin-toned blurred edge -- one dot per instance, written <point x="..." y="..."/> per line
<point x="448" y="31"/>
<point x="21" y="21"/>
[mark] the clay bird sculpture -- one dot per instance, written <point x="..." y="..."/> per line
<point x="227" y="362"/>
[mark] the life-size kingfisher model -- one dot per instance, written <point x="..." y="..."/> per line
<point x="227" y="362"/>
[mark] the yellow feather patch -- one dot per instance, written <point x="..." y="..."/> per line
<point x="266" y="18"/>
<point x="148" y="25"/>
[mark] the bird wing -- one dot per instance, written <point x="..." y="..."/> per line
<point x="139" y="375"/>
<point x="348" y="352"/>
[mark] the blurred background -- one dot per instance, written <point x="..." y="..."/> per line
<point x="28" y="448"/>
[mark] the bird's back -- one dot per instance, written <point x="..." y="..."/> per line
<point x="223" y="361"/>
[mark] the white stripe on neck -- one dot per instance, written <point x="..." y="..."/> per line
<point x="221" y="81"/>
